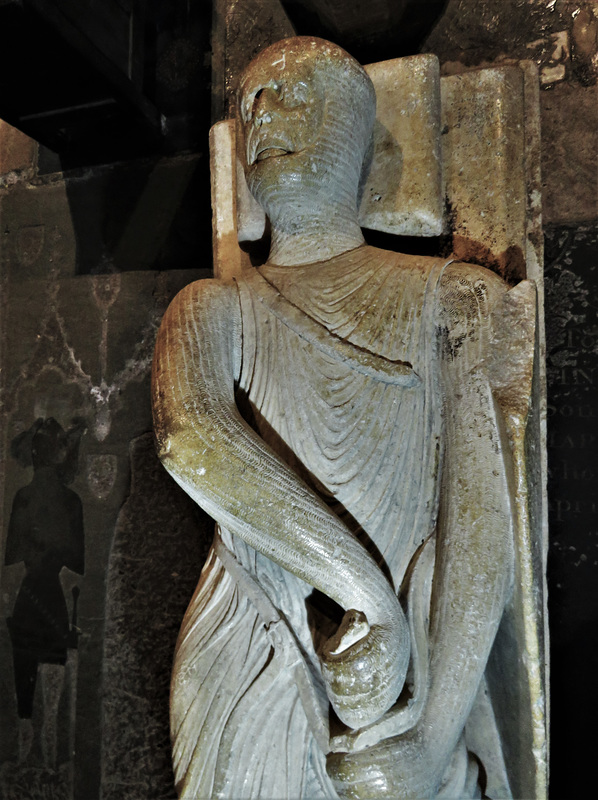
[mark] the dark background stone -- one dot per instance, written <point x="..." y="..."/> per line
<point x="81" y="347"/>
<point x="161" y="539"/>
<point x="94" y="243"/>
<point x="106" y="81"/>
<point x="571" y="275"/>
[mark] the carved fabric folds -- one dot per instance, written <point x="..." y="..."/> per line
<point x="308" y="385"/>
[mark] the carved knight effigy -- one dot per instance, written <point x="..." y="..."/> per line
<point x="354" y="421"/>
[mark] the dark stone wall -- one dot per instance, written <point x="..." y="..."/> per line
<point x="572" y="347"/>
<point x="155" y="545"/>
<point x="89" y="260"/>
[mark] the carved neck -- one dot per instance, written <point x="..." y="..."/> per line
<point x="300" y="236"/>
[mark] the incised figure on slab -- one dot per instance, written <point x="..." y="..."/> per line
<point x="347" y="416"/>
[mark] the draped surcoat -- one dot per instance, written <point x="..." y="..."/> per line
<point x="340" y="376"/>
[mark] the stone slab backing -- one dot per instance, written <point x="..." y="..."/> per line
<point x="403" y="191"/>
<point x="484" y="165"/>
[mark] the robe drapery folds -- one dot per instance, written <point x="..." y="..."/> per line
<point x="340" y="376"/>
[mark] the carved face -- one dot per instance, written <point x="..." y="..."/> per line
<point x="306" y="111"/>
<point x="281" y="115"/>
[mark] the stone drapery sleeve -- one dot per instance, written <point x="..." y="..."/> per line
<point x="215" y="456"/>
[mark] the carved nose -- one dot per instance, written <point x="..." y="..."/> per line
<point x="267" y="102"/>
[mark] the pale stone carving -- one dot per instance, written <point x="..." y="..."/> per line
<point x="354" y="421"/>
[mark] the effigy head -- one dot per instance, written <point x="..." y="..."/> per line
<point x="307" y="111"/>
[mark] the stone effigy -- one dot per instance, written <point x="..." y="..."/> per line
<point x="353" y="420"/>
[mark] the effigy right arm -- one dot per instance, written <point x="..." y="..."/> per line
<point x="216" y="457"/>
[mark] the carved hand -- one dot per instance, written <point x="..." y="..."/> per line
<point x="399" y="768"/>
<point x="364" y="667"/>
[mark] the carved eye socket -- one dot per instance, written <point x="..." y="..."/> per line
<point x="250" y="102"/>
<point x="297" y="94"/>
<point x="291" y="95"/>
<point x="254" y="104"/>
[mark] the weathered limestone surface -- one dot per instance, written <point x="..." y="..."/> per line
<point x="403" y="193"/>
<point x="17" y="151"/>
<point x="570" y="154"/>
<point x="486" y="187"/>
<point x="318" y="321"/>
<point x="562" y="39"/>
